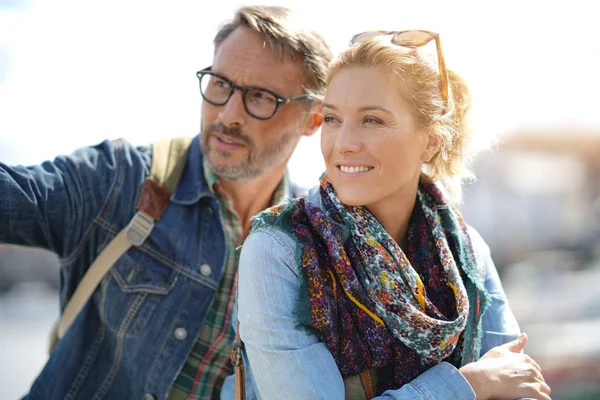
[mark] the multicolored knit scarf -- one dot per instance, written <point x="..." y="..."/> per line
<point x="375" y="305"/>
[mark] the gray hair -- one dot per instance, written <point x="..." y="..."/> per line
<point x="287" y="39"/>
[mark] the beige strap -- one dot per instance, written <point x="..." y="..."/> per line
<point x="92" y="278"/>
<point x="238" y="365"/>
<point x="135" y="233"/>
<point x="169" y="157"/>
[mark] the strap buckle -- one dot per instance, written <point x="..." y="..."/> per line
<point x="139" y="228"/>
<point x="236" y="356"/>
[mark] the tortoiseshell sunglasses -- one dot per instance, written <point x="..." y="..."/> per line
<point x="414" y="39"/>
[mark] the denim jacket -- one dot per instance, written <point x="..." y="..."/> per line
<point x="135" y="334"/>
<point x="284" y="361"/>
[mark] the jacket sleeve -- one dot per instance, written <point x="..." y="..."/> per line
<point x="53" y="205"/>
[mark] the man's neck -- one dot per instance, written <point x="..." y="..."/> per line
<point x="249" y="197"/>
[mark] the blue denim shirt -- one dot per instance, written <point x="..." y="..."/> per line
<point x="283" y="361"/>
<point x="123" y="343"/>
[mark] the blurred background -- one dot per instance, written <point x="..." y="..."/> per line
<point x="73" y="73"/>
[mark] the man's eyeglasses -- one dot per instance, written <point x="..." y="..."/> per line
<point x="414" y="39"/>
<point x="259" y="102"/>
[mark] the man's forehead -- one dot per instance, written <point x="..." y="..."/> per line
<point x="245" y="58"/>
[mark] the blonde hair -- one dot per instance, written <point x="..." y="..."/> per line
<point x="288" y="39"/>
<point x="418" y="86"/>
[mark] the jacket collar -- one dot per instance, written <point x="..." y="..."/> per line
<point x="192" y="186"/>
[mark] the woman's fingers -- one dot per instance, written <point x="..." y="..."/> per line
<point x="533" y="362"/>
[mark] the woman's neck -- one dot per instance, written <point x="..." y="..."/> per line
<point x="394" y="213"/>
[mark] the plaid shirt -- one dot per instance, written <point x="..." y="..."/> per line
<point x="209" y="362"/>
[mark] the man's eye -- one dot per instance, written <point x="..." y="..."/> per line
<point x="220" y="83"/>
<point x="261" y="96"/>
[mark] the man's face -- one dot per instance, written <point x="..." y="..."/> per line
<point x="237" y="145"/>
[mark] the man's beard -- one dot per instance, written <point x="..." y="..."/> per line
<point x="256" y="163"/>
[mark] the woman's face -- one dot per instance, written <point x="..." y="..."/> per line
<point x="372" y="148"/>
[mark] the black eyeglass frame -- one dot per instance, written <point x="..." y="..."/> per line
<point x="280" y="100"/>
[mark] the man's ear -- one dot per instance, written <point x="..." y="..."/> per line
<point x="313" y="119"/>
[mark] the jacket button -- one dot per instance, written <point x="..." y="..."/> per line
<point x="180" y="333"/>
<point x="210" y="211"/>
<point x="205" y="269"/>
<point x="148" y="396"/>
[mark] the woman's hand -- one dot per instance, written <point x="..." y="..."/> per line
<point x="506" y="373"/>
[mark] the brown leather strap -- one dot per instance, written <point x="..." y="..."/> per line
<point x="238" y="365"/>
<point x="169" y="157"/>
<point x="367" y="384"/>
<point x="154" y="199"/>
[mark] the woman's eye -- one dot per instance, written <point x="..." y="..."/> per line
<point x="328" y="119"/>
<point x="370" y="120"/>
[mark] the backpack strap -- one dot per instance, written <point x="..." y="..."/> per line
<point x="169" y="157"/>
<point x="168" y="161"/>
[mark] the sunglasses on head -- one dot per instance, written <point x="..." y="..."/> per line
<point x="413" y="39"/>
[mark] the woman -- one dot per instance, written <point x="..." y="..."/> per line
<point x="374" y="285"/>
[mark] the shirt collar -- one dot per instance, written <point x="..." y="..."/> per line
<point x="211" y="179"/>
<point x="282" y="191"/>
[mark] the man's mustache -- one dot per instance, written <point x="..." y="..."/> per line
<point x="231" y="133"/>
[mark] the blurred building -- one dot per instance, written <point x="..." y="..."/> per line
<point x="537" y="204"/>
<point x="23" y="265"/>
<point x="538" y="191"/>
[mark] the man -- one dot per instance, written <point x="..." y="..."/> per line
<point x="159" y="324"/>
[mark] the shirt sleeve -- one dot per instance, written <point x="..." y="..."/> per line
<point x="498" y="322"/>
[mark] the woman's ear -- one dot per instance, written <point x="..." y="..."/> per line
<point x="432" y="147"/>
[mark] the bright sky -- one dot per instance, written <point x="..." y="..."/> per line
<point x="74" y="72"/>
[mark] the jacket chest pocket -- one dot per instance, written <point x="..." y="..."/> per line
<point x="131" y="291"/>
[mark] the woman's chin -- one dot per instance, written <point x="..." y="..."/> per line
<point x="352" y="198"/>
